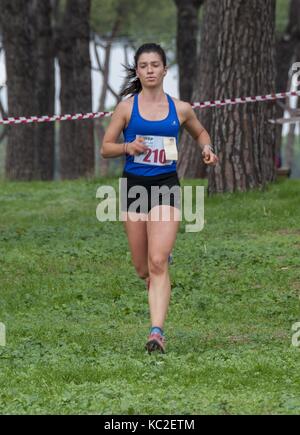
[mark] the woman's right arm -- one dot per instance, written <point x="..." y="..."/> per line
<point x="109" y="146"/>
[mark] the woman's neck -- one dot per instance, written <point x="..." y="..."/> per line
<point x="153" y="95"/>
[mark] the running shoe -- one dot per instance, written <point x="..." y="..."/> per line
<point x="156" y="341"/>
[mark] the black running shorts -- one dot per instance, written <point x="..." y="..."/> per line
<point x="139" y="193"/>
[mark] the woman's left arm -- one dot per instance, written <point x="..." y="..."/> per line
<point x="198" y="132"/>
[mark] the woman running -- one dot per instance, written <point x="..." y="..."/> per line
<point x="150" y="121"/>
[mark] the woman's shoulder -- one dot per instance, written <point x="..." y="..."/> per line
<point x="124" y="107"/>
<point x="182" y="107"/>
<point x="126" y="103"/>
<point x="180" y="104"/>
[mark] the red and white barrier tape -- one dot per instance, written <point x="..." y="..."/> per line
<point x="243" y="100"/>
<point x="46" y="118"/>
<point x="206" y="104"/>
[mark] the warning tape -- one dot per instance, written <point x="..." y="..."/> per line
<point x="206" y="104"/>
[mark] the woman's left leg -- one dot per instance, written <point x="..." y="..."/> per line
<point x="161" y="239"/>
<point x="136" y="230"/>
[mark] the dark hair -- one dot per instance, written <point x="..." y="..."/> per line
<point x="132" y="84"/>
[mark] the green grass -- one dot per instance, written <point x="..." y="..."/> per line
<point x="77" y="315"/>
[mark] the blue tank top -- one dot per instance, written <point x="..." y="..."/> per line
<point x="169" y="127"/>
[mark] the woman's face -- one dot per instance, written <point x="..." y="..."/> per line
<point x="150" y="70"/>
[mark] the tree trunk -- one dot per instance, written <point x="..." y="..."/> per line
<point x="190" y="164"/>
<point x="243" y="138"/>
<point x="44" y="87"/>
<point x="30" y="83"/>
<point x="187" y="18"/>
<point x="77" y="155"/>
<point x="3" y="115"/>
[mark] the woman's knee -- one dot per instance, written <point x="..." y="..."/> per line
<point x="142" y="271"/>
<point x="158" y="264"/>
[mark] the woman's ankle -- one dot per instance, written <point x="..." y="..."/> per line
<point x="157" y="329"/>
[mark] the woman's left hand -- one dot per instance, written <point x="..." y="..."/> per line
<point x="209" y="157"/>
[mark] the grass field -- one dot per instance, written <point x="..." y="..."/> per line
<point x="77" y="315"/>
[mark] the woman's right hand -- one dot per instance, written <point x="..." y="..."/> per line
<point x="136" y="147"/>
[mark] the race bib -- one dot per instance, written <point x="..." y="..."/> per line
<point x="162" y="151"/>
<point x="170" y="148"/>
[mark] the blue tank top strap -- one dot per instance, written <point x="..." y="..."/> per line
<point x="170" y="99"/>
<point x="135" y="109"/>
<point x="173" y="112"/>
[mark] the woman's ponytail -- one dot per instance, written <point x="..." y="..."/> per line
<point x="132" y="84"/>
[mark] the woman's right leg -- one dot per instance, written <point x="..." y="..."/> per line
<point x="136" y="231"/>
